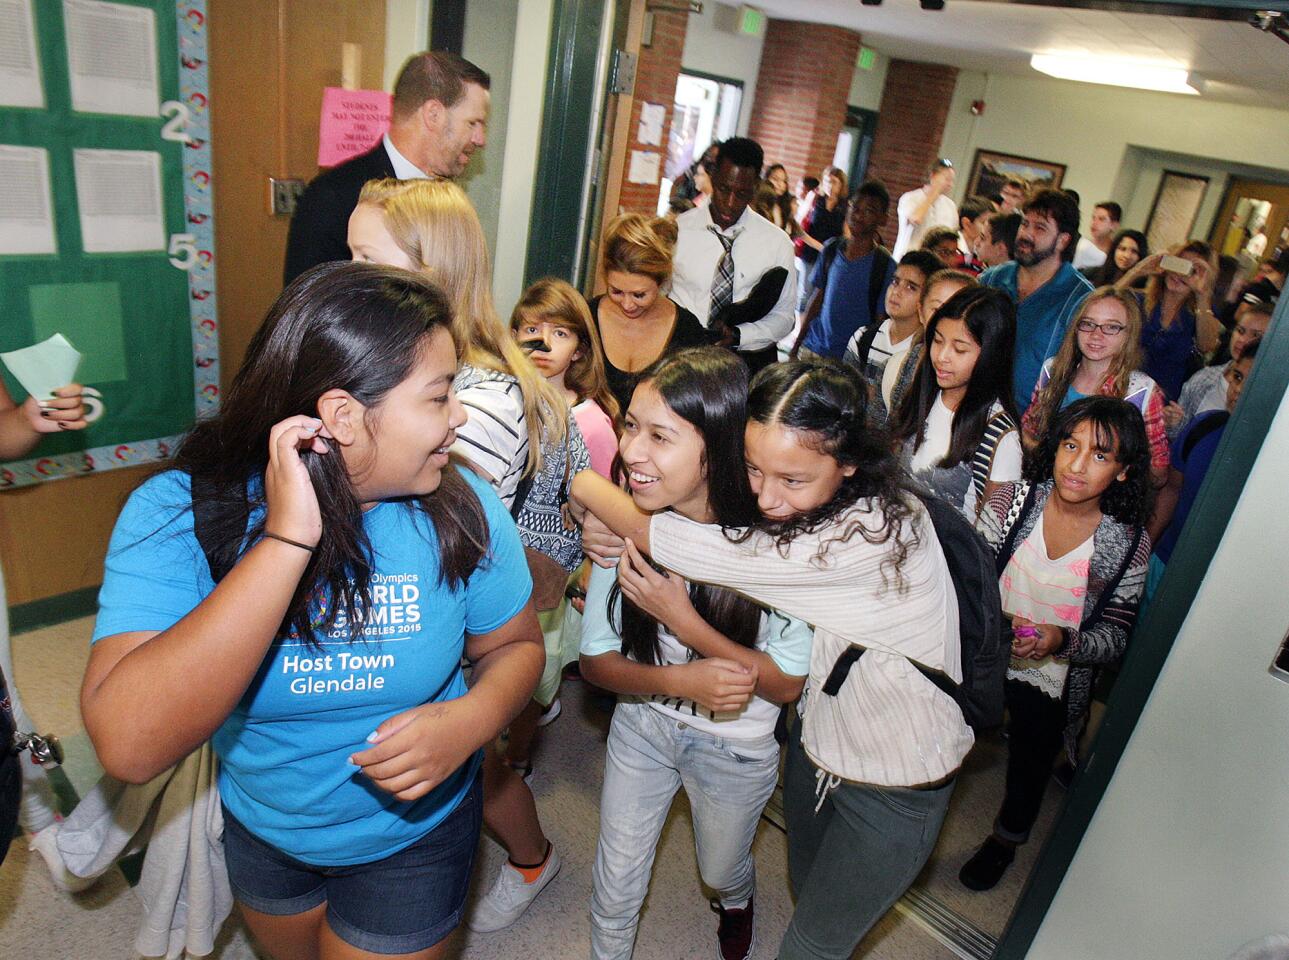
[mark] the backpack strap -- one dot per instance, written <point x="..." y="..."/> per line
<point x="1008" y="546"/>
<point x="850" y="656"/>
<point x="877" y="283"/>
<point x="982" y="464"/>
<point x="828" y="255"/>
<point x="865" y="344"/>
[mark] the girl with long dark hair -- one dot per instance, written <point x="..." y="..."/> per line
<point x="843" y="543"/>
<point x="300" y="589"/>
<point x="1072" y="555"/>
<point x="701" y="671"/>
<point x="957" y="426"/>
<point x="1127" y="249"/>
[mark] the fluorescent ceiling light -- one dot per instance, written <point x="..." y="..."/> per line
<point x="1116" y="73"/>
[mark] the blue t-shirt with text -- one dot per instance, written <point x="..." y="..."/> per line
<point x="284" y="750"/>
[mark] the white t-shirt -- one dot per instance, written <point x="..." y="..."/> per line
<point x="891" y="372"/>
<point x="1088" y="254"/>
<point x="935" y="444"/>
<point x="943" y="213"/>
<point x="784" y="639"/>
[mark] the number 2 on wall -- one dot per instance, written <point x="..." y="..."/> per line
<point x="176" y="128"/>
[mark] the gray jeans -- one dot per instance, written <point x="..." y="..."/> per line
<point x="650" y="756"/>
<point x="850" y="861"/>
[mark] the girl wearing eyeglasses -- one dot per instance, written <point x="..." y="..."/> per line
<point x="1101" y="356"/>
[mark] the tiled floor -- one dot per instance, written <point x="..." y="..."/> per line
<point x="37" y="921"/>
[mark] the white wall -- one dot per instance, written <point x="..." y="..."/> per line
<point x="519" y="159"/>
<point x="866" y="85"/>
<point x="712" y="47"/>
<point x="489" y="42"/>
<point x="1090" y="129"/>
<point x="1188" y="853"/>
<point x="407" y="31"/>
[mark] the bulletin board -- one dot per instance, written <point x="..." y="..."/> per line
<point x="106" y="219"/>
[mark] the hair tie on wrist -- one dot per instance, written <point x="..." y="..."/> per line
<point x="294" y="543"/>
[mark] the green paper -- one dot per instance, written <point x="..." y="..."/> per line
<point x="44" y="367"/>
<point x="88" y="314"/>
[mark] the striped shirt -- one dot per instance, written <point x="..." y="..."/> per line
<point x="888" y="724"/>
<point x="495" y="436"/>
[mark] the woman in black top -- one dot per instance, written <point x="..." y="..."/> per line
<point x="827" y="219"/>
<point x="637" y="323"/>
<point x="1128" y="248"/>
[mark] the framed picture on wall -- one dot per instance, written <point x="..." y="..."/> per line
<point x="990" y="169"/>
<point x="1177" y="203"/>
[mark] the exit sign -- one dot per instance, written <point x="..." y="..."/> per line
<point x="751" y="21"/>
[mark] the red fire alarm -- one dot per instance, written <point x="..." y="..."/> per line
<point x="977" y="107"/>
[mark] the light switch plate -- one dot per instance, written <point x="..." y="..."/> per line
<point x="283" y="196"/>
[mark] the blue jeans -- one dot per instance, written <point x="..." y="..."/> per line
<point x="850" y="861"/>
<point x="408" y="901"/>
<point x="649" y="757"/>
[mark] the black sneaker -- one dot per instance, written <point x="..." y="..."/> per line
<point x="736" y="933"/>
<point x="987" y="865"/>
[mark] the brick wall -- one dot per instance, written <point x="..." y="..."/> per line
<point x="656" y="74"/>
<point x="801" y="91"/>
<point x="915" y="103"/>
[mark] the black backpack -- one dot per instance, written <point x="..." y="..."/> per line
<point x="985" y="651"/>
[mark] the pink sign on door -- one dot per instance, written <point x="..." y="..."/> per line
<point x="352" y="122"/>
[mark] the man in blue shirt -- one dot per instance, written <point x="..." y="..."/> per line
<point x="847" y="295"/>
<point x="1045" y="286"/>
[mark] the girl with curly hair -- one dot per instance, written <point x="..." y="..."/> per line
<point x="1072" y="554"/>
<point x="844" y="544"/>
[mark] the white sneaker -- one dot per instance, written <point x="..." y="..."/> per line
<point x="550" y="714"/>
<point x="510" y="896"/>
<point x="45" y="843"/>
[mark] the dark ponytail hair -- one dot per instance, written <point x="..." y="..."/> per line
<point x="990" y="318"/>
<point x="355" y="327"/>
<point x="707" y="388"/>
<point x="1118" y="429"/>
<point x="825" y="403"/>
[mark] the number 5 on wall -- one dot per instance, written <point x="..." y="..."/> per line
<point x="183" y="253"/>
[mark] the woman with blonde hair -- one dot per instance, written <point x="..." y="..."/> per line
<point x="1179" y="319"/>
<point x="1101" y="356"/>
<point x="519" y="437"/>
<point x="430" y="226"/>
<point x="636" y="321"/>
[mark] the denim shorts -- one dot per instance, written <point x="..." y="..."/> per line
<point x="407" y="902"/>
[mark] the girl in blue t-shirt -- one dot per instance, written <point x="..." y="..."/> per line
<point x="358" y="564"/>
<point x="700" y="671"/>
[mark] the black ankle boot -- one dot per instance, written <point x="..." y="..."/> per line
<point x="987" y="865"/>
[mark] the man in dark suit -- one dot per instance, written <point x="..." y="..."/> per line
<point x="439" y="118"/>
